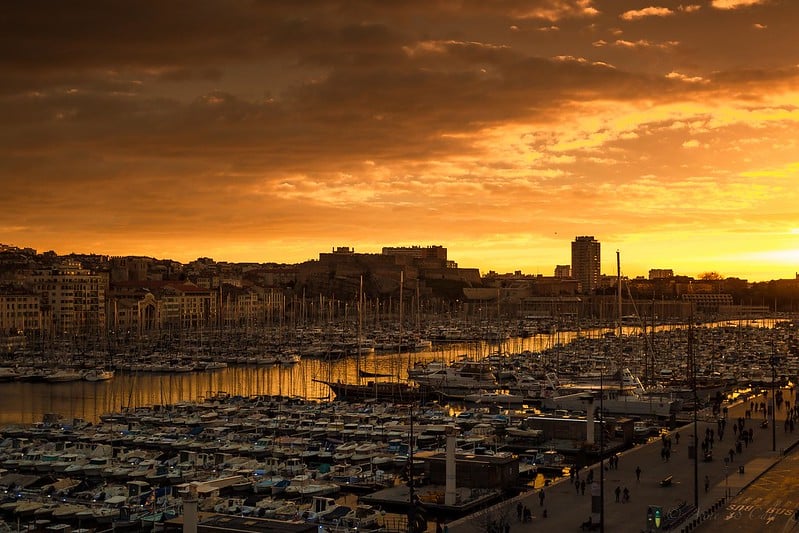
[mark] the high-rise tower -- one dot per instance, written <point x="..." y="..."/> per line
<point x="585" y="262"/>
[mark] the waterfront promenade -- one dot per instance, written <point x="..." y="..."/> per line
<point x="567" y="508"/>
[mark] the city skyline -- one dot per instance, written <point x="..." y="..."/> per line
<point x="268" y="131"/>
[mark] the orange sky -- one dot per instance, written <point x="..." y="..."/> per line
<point x="272" y="131"/>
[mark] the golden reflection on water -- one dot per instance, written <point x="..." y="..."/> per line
<point x="25" y="402"/>
<point x="22" y="402"/>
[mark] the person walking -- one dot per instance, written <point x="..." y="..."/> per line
<point x="582" y="487"/>
<point x="626" y="495"/>
<point x="638" y="473"/>
<point x="519" y="511"/>
<point x="618" y="493"/>
<point x="541" y="497"/>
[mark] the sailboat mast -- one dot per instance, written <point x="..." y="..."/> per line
<point x="618" y="288"/>
<point x="399" y="343"/>
<point x="360" y="319"/>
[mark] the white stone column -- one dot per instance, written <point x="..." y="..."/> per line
<point x="450" y="494"/>
<point x="190" y="511"/>
<point x="589" y="420"/>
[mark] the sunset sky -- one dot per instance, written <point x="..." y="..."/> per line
<point x="270" y="131"/>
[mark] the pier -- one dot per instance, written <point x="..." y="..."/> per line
<point x="663" y="484"/>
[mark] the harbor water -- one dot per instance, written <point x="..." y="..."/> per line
<point x="27" y="402"/>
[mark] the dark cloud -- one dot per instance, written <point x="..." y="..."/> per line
<point x="275" y="116"/>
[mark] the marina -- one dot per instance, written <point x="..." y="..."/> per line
<point x="149" y="437"/>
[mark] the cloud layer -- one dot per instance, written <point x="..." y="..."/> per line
<point x="270" y="131"/>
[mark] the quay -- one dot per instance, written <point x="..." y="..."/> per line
<point x="665" y="484"/>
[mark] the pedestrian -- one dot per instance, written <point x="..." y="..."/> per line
<point x="618" y="493"/>
<point x="638" y="473"/>
<point x="677" y="438"/>
<point x="541" y="497"/>
<point x="528" y="514"/>
<point x="582" y="487"/>
<point x="519" y="511"/>
<point x="626" y="495"/>
<point x="707" y="483"/>
<point x="544" y="514"/>
<point x="668" y="455"/>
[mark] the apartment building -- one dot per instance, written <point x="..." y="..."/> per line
<point x="72" y="299"/>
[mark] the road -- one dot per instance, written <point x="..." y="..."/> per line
<point x="767" y="505"/>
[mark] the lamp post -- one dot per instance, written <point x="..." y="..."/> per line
<point x="601" y="450"/>
<point x="692" y="363"/>
<point x="411" y="494"/>
<point x="726" y="484"/>
<point x="773" y="362"/>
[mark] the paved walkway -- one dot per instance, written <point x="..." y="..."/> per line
<point x="565" y="508"/>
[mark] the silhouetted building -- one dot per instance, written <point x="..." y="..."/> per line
<point x="563" y="271"/>
<point x="19" y="310"/>
<point x="660" y="273"/>
<point x="586" y="262"/>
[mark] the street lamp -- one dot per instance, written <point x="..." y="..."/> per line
<point x="692" y="362"/>
<point x="411" y="494"/>
<point x="601" y="450"/>
<point x="773" y="361"/>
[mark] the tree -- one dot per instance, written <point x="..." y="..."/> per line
<point x="710" y="276"/>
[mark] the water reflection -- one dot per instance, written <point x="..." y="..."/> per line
<point x="24" y="402"/>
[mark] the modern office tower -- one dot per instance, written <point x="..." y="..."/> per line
<point x="586" y="262"/>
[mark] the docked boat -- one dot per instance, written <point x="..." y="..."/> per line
<point x="395" y="391"/>
<point x="547" y="462"/>
<point x="500" y="398"/>
<point x="63" y="376"/>
<point x="628" y="398"/>
<point x="98" y="375"/>
<point x="460" y="378"/>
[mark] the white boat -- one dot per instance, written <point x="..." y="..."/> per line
<point x="628" y="398"/>
<point x="321" y="508"/>
<point x="98" y="375"/>
<point x="318" y="488"/>
<point x="8" y="374"/>
<point x="495" y="398"/>
<point x="364" y="517"/>
<point x="460" y="378"/>
<point x="63" y="376"/>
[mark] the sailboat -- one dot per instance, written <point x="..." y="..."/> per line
<point x="396" y="391"/>
<point x="629" y="397"/>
